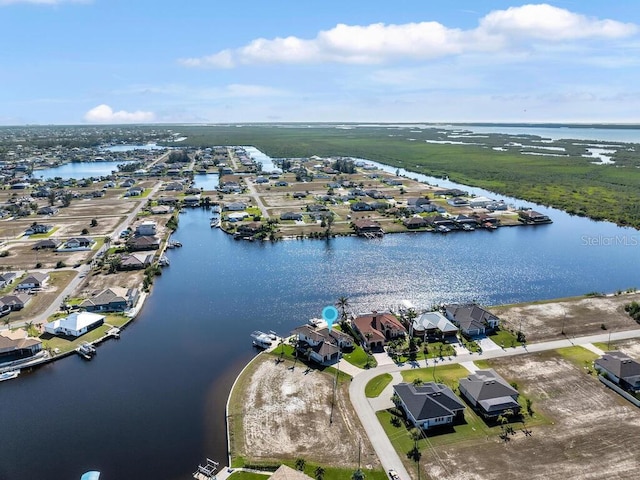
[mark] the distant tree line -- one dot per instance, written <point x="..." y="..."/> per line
<point x="178" y="156"/>
<point x="344" y="166"/>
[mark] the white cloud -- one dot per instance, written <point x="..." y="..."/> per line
<point x="381" y="43"/>
<point x="41" y="2"/>
<point x="552" y="23"/>
<point x="105" y="114"/>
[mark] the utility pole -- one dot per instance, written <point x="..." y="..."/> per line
<point x="335" y="385"/>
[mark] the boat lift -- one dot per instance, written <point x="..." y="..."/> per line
<point x="206" y="471"/>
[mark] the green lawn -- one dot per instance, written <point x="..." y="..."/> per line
<point x="504" y="339"/>
<point x="66" y="344"/>
<point x="44" y="235"/>
<point x="376" y="385"/>
<point x="330" y="473"/>
<point x="360" y="358"/>
<point x="605" y="346"/>
<point x="447" y="374"/>
<point x="579" y="356"/>
<point x="434" y="350"/>
<point x="247" y="476"/>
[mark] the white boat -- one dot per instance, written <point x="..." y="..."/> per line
<point x="163" y="261"/>
<point x="86" y="350"/>
<point x="261" y="339"/>
<point x="9" y="375"/>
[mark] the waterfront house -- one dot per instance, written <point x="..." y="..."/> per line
<point x="376" y="328"/>
<point x="34" y="280"/>
<point x="532" y="217"/>
<point x="248" y="230"/>
<point x="620" y="369"/>
<point x="364" y="227"/>
<point x="480" y="202"/>
<point x="148" y="227"/>
<point x="191" y="201"/>
<point x="135" y="261"/>
<point x="13" y="303"/>
<point x="17" y="345"/>
<point x="471" y="319"/>
<point x="465" y="220"/>
<point x="458" y="202"/>
<point x="147" y="242"/>
<point x="319" y="348"/>
<point x="440" y="221"/>
<point x="160" y="209"/>
<point x="415" y="222"/>
<point x="489" y="393"/>
<point x="166" y="200"/>
<point x="429" y="405"/>
<point x="114" y="299"/>
<point x="6" y="278"/>
<point x="433" y="326"/>
<point x="75" y="324"/>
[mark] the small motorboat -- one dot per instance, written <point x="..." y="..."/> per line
<point x="261" y="339"/>
<point x="9" y="375"/>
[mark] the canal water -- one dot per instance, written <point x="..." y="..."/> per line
<point x="151" y="405"/>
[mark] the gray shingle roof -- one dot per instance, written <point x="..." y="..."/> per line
<point x="431" y="400"/>
<point x="487" y="385"/>
<point x="620" y="365"/>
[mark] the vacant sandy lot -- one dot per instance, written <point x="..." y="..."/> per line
<point x="593" y="436"/>
<point x="581" y="316"/>
<point x="285" y="414"/>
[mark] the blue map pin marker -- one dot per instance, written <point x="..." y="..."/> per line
<point x="330" y="315"/>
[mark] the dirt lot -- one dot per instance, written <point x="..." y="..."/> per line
<point x="285" y="414"/>
<point x="593" y="436"/>
<point x="581" y="316"/>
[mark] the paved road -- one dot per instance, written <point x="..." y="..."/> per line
<point x="366" y="408"/>
<point x="84" y="269"/>
<point x="252" y="189"/>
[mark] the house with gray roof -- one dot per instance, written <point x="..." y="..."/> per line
<point x="432" y="326"/>
<point x="114" y="299"/>
<point x="323" y="345"/>
<point x="34" y="280"/>
<point x="621" y="369"/>
<point x="13" y="303"/>
<point x="471" y="319"/>
<point x="6" y="278"/>
<point x="429" y="405"/>
<point x="489" y="393"/>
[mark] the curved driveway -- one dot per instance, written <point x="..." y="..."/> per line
<point x="364" y="407"/>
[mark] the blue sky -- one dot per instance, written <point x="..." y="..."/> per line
<point x="143" y="61"/>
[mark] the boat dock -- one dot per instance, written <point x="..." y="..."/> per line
<point x="206" y="471"/>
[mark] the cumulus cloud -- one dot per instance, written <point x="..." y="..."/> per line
<point x="382" y="43"/>
<point x="41" y="2"/>
<point x="105" y="114"/>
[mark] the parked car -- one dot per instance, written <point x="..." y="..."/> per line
<point x="393" y="475"/>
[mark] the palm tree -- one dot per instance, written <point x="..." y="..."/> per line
<point x="358" y="475"/>
<point x="300" y="463"/>
<point x="342" y="303"/>
<point x="319" y="473"/>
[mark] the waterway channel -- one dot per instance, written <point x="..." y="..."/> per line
<point x="151" y="405"/>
